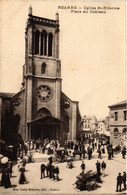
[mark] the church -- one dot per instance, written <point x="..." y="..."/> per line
<point x="40" y="109"/>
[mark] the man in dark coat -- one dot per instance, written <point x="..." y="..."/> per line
<point x="84" y="152"/>
<point x="103" y="150"/>
<point x="93" y="145"/>
<point x="83" y="166"/>
<point x="56" y="172"/>
<point x="47" y="169"/>
<point x="99" y="153"/>
<point x="43" y="148"/>
<point x="98" y="166"/>
<point x="89" y="151"/>
<point x="123" y="152"/>
<point x="50" y="159"/>
<point x="109" y="153"/>
<point x="51" y="171"/>
<point x="43" y="170"/>
<point x="103" y="166"/>
<point x="119" y="182"/>
<point x="80" y="153"/>
<point x="124" y="180"/>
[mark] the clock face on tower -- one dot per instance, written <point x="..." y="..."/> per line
<point x="44" y="93"/>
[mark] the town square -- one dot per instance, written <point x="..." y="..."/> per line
<point x="63" y="105"/>
<point x="67" y="176"/>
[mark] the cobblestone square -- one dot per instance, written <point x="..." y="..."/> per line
<point x="67" y="176"/>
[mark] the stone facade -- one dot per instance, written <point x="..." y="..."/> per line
<point x="89" y="124"/>
<point x="107" y="123"/>
<point x="43" y="110"/>
<point x="101" y="127"/>
<point x="118" y="123"/>
<point x="5" y="112"/>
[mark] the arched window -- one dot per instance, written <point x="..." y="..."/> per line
<point x="42" y="50"/>
<point x="43" y="42"/>
<point x="125" y="131"/>
<point x="37" y="42"/>
<point x="50" y="44"/>
<point x="43" y="68"/>
<point x="116" y="131"/>
<point x="43" y="112"/>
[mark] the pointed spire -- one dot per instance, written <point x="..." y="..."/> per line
<point x="57" y="17"/>
<point x="30" y="10"/>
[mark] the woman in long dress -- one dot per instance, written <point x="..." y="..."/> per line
<point x="22" y="178"/>
<point x="5" y="180"/>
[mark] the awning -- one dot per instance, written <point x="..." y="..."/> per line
<point x="45" y="120"/>
<point x="86" y="129"/>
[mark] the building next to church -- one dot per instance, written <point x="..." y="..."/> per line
<point x="89" y="124"/>
<point x="101" y="127"/>
<point x="107" y="123"/>
<point x="40" y="109"/>
<point x="118" y="123"/>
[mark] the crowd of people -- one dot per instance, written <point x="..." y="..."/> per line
<point x="84" y="147"/>
<point x="99" y="166"/>
<point x="121" y="179"/>
<point x="50" y="170"/>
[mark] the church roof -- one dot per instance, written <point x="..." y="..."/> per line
<point x="44" y="20"/>
<point x="118" y="104"/>
<point x="15" y="94"/>
<point x="46" y="120"/>
<point x="6" y="95"/>
<point x="65" y="97"/>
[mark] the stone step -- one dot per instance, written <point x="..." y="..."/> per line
<point x="41" y="159"/>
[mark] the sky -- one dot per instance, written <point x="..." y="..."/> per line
<point x="92" y="49"/>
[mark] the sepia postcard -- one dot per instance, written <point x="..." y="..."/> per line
<point x="63" y="104"/>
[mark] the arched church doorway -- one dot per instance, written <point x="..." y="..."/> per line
<point x="43" y="112"/>
<point x="44" y="126"/>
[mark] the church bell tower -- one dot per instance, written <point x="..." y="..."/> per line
<point x="42" y="69"/>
